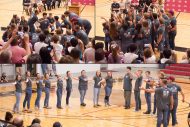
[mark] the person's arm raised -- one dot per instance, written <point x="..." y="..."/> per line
<point x="14" y="34"/>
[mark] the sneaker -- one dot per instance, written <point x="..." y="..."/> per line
<point x="83" y="104"/>
<point x="98" y="105"/>
<point x="24" y="110"/>
<point x="109" y="104"/>
<point x="60" y="107"/>
<point x="36" y="108"/>
<point x="48" y="107"/>
<point x="127" y="107"/>
<point x="146" y="112"/>
<point x="29" y="111"/>
<point x="95" y="106"/>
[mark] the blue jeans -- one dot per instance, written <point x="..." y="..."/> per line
<point x="148" y="101"/>
<point x="32" y="29"/>
<point x="154" y="110"/>
<point x="127" y="96"/>
<point x="82" y="95"/>
<point x="27" y="99"/>
<point x="96" y="95"/>
<point x="44" y="68"/>
<point x="68" y="96"/>
<point x="59" y="97"/>
<point x="162" y="117"/>
<point x="54" y="69"/>
<point x="47" y="94"/>
<point x="137" y="100"/>
<point x="17" y="104"/>
<point x="37" y="102"/>
<point x="172" y="40"/>
<point x="108" y="91"/>
<point x="173" y="113"/>
<point x="161" y="46"/>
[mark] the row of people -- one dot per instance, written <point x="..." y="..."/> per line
<point x="165" y="89"/>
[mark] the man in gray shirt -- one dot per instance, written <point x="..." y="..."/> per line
<point x="138" y="84"/>
<point x="127" y="87"/>
<point x="164" y="98"/>
<point x="174" y="89"/>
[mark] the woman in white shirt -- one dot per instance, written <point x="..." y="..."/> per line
<point x="130" y="56"/>
<point x="58" y="48"/>
<point x="149" y="57"/>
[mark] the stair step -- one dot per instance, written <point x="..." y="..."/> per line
<point x="178" y="68"/>
<point x="182" y="73"/>
<point x="181" y="65"/>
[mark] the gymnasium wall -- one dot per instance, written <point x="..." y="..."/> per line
<point x="76" y="68"/>
<point x="113" y="66"/>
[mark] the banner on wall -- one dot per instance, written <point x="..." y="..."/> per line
<point x="177" y="5"/>
<point x="83" y="2"/>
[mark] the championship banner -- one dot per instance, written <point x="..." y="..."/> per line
<point x="177" y="5"/>
<point x="83" y="2"/>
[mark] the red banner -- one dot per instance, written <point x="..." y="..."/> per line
<point x="177" y="5"/>
<point x="83" y="2"/>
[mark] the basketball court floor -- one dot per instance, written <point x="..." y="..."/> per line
<point x="113" y="116"/>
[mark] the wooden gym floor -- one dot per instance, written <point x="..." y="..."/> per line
<point x="10" y="7"/>
<point x="88" y="116"/>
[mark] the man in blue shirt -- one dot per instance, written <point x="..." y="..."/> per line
<point x="32" y="21"/>
<point x="44" y="24"/>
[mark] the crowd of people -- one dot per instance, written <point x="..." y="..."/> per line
<point x="50" y="39"/>
<point x="11" y="121"/>
<point x="164" y="87"/>
<point x="140" y="33"/>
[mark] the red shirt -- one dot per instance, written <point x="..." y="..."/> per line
<point x="17" y="53"/>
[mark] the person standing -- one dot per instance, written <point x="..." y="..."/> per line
<point x="148" y="81"/>
<point x="127" y="87"/>
<point x="59" y="91"/>
<point x="161" y="35"/>
<point x="47" y="90"/>
<point x="28" y="93"/>
<point x="32" y="21"/>
<point x="68" y="86"/>
<point x="174" y="89"/>
<point x="161" y="75"/>
<point x="164" y="103"/>
<point x="39" y="83"/>
<point x="18" y="93"/>
<point x="164" y="98"/>
<point x="97" y="85"/>
<point x="172" y="29"/>
<point x="45" y="23"/>
<point x="138" y="84"/>
<point x="108" y="88"/>
<point x="83" y="86"/>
